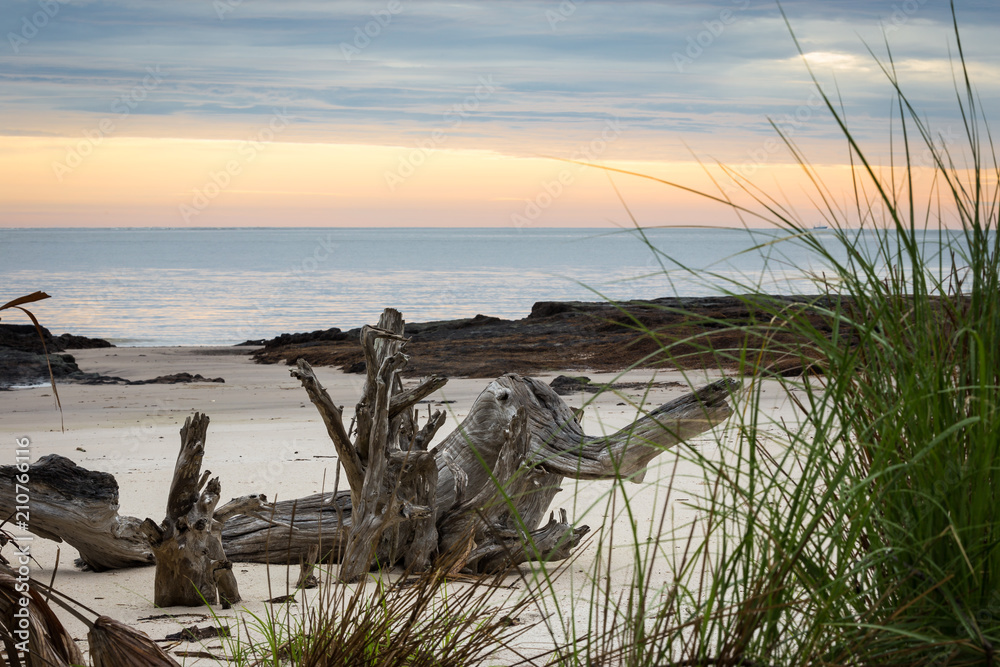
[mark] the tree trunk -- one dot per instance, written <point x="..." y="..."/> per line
<point x="191" y="564"/>
<point x="285" y="531"/>
<point x="393" y="478"/>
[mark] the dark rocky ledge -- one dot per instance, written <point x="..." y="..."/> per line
<point x="22" y="361"/>
<point x="19" y="368"/>
<point x="701" y="332"/>
<point x="24" y="337"/>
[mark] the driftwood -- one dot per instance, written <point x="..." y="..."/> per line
<point x="191" y="564"/>
<point x="79" y="506"/>
<point x="391" y="475"/>
<point x="482" y="492"/>
<point x="321" y="520"/>
<point x="396" y="514"/>
<point x="481" y="495"/>
<point x="557" y="448"/>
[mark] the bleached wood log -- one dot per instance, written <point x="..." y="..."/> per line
<point x="285" y="532"/>
<point x="395" y="518"/>
<point x="80" y="506"/>
<point x="479" y="456"/>
<point x="77" y="506"/>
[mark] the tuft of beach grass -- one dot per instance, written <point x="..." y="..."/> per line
<point x="867" y="530"/>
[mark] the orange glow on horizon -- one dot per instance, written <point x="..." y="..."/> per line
<point x="137" y="181"/>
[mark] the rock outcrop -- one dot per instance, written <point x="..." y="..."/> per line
<point x="24" y="337"/>
<point x="23" y="363"/>
<point x="699" y="331"/>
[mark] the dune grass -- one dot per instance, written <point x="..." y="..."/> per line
<point x="866" y="531"/>
<point x="431" y="618"/>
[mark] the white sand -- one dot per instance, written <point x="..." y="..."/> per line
<point x="266" y="437"/>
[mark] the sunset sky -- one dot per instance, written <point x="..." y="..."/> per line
<point x="397" y="112"/>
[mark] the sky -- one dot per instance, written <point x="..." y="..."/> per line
<point x="206" y="113"/>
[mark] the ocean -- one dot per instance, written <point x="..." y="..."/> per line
<point x="156" y="287"/>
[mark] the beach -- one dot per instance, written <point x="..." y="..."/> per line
<point x="696" y="366"/>
<point x="266" y="437"/>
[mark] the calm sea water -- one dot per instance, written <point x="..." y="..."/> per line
<point x="223" y="286"/>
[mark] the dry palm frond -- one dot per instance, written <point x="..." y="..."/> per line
<point x="32" y="635"/>
<point x="114" y="644"/>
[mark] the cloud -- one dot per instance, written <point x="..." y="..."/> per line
<point x="384" y="72"/>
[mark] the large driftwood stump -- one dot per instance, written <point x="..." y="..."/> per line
<point x="191" y="564"/>
<point x="391" y="475"/>
<point x="487" y="448"/>
<point x="492" y="480"/>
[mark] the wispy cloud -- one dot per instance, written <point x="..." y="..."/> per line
<point x="606" y="59"/>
